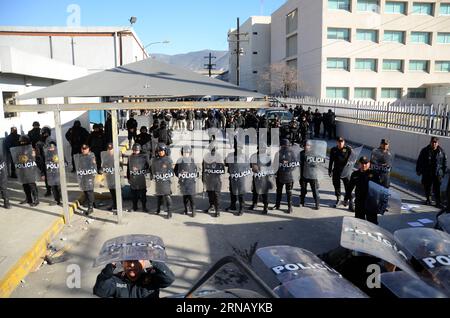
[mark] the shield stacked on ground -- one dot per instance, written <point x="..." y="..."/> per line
<point x="52" y="166"/>
<point x="86" y="171"/>
<point x="25" y="163"/>
<point x="315" y="154"/>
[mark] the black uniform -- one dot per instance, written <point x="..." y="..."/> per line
<point x="76" y="136"/>
<point x="288" y="162"/>
<point x="143" y="138"/>
<point x="338" y="160"/>
<point x="317" y="120"/>
<point x="97" y="142"/>
<point x="186" y="171"/>
<point x="132" y="129"/>
<point x="136" y="177"/>
<point x="432" y="166"/>
<point x="314" y="183"/>
<point x="118" y="285"/>
<point x="360" y="182"/>
<point x="35" y="136"/>
<point x="304" y="131"/>
<point x="12" y="140"/>
<point x="329" y="120"/>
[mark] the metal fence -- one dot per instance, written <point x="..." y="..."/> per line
<point x="427" y="119"/>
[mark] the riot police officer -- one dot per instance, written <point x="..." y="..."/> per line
<point x="288" y="171"/>
<point x="132" y="127"/>
<point x="339" y="156"/>
<point x="40" y="152"/>
<point x="432" y="166"/>
<point x="263" y="172"/>
<point x="138" y="168"/>
<point x="86" y="168"/>
<point x="359" y="181"/>
<point x="317" y="120"/>
<point x="4" y="179"/>
<point x="109" y="172"/>
<point x="381" y="161"/>
<point x="186" y="171"/>
<point x="35" y="134"/>
<point x="12" y="140"/>
<point x="310" y="160"/>
<point x="97" y="143"/>
<point x="212" y="169"/>
<point x="52" y="171"/>
<point x="162" y="172"/>
<point x="304" y="129"/>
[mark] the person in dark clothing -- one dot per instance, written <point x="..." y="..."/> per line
<point x="317" y="120"/>
<point x="35" y="134"/>
<point x="12" y="140"/>
<point x="132" y="129"/>
<point x="40" y="145"/>
<point x="164" y="135"/>
<point x="239" y="120"/>
<point x="211" y="124"/>
<point x="222" y="119"/>
<point x="87" y="155"/>
<point x="432" y="166"/>
<point x="97" y="143"/>
<point x="329" y="120"/>
<point x="294" y="132"/>
<point x="359" y="181"/>
<point x="304" y="129"/>
<point x="30" y="189"/>
<point x="55" y="189"/>
<point x="76" y="136"/>
<point x="186" y="171"/>
<point x="136" y="280"/>
<point x="381" y="161"/>
<point x="138" y="167"/>
<point x="108" y="129"/>
<point x="313" y="183"/>
<point x="190" y="120"/>
<point x="144" y="137"/>
<point x="338" y="160"/>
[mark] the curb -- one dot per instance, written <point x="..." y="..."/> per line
<point x="35" y="256"/>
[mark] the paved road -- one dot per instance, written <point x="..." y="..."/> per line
<point x="194" y="244"/>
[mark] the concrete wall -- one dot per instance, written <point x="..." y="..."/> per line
<point x="402" y="143"/>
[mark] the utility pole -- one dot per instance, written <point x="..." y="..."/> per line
<point x="238" y="52"/>
<point x="210" y="66"/>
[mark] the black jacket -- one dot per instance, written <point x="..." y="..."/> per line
<point x="360" y="182"/>
<point x="338" y="158"/>
<point x="429" y="165"/>
<point x="132" y="124"/>
<point x="118" y="285"/>
<point x="35" y="136"/>
<point x="77" y="136"/>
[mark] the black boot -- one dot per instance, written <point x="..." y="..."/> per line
<point x="265" y="209"/>
<point x="7" y="204"/>
<point x="217" y="213"/>
<point x="289" y="210"/>
<point x="302" y="202"/>
<point x="169" y="214"/>
<point x="193" y="210"/>
<point x="317" y="206"/>
<point x="276" y="206"/>
<point x="48" y="193"/>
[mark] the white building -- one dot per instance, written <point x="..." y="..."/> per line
<point x="32" y="58"/>
<point x="255" y="54"/>
<point x="366" y="49"/>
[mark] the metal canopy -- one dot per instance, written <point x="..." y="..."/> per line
<point x="146" y="78"/>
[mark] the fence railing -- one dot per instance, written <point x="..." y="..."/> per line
<point x="427" y="119"/>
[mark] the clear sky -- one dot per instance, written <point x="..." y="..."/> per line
<point x="189" y="25"/>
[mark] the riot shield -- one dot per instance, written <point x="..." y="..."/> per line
<point x="213" y="169"/>
<point x="288" y="159"/>
<point x="352" y="159"/>
<point x="52" y="166"/>
<point x="240" y="173"/>
<point x="403" y="285"/>
<point x="444" y="222"/>
<point x="108" y="169"/>
<point x="86" y="171"/>
<point x="263" y="173"/>
<point x="138" y="169"/>
<point x="3" y="168"/>
<point x="381" y="164"/>
<point x="130" y="248"/>
<point x="315" y="154"/>
<point x="380" y="200"/>
<point x="429" y="248"/>
<point x="187" y="176"/>
<point x="162" y="171"/>
<point x="365" y="237"/>
<point x="25" y="163"/>
<point x="303" y="275"/>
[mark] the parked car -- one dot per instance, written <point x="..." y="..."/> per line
<point x="284" y="115"/>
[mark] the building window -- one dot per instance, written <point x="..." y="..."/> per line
<point x="445" y="9"/>
<point x="391" y="93"/>
<point x="443" y="38"/>
<point x="338" y="34"/>
<point x="339" y="4"/>
<point x="365" y="92"/>
<point x="421" y="37"/>
<point x="367" y="35"/>
<point x="395" y="7"/>
<point x="368" y="5"/>
<point x="442" y="66"/>
<point x="9" y="99"/>
<point x="337" y="92"/>
<point x="417" y="93"/>
<point x="423" y="8"/>
<point x="366" y="64"/>
<point x="394" y="36"/>
<point x="291" y="45"/>
<point x="418" y="65"/>
<point x="291" y="22"/>
<point x="255" y="53"/>
<point x="338" y="64"/>
<point x="393" y="65"/>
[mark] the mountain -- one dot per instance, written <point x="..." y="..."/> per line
<point x="195" y="61"/>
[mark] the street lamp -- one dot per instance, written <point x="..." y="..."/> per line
<point x="163" y="42"/>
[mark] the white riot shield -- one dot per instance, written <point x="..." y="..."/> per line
<point x="132" y="248"/>
<point x="240" y="173"/>
<point x="288" y="159"/>
<point x="213" y="169"/>
<point x="52" y="166"/>
<point x="108" y="169"/>
<point x="444" y="222"/>
<point x="86" y="171"/>
<point x="263" y="173"/>
<point x="303" y="275"/>
<point x="25" y="163"/>
<point x="380" y="200"/>
<point x="315" y="154"/>
<point x="431" y="249"/>
<point x="352" y="159"/>
<point x="365" y="237"/>
<point x="381" y="164"/>
<point x="187" y="176"/>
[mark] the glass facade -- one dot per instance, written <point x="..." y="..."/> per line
<point x="337" y="92"/>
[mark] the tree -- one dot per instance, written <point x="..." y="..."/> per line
<point x="282" y="77"/>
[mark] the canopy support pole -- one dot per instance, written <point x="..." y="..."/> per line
<point x="62" y="167"/>
<point x="117" y="172"/>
